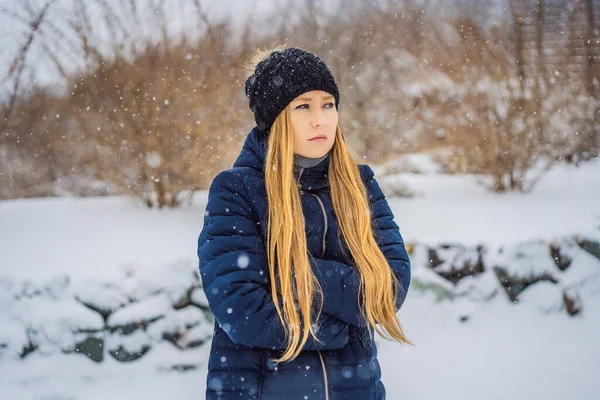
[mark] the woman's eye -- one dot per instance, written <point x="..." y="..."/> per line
<point x="304" y="106"/>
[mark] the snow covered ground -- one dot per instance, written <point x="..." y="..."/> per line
<point x="107" y="252"/>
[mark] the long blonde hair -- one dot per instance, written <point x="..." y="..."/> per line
<point x="294" y="287"/>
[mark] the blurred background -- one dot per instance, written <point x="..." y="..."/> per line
<point x="481" y="120"/>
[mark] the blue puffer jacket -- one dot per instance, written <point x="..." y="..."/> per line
<point x="233" y="269"/>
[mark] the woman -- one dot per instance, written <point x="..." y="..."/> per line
<point x="300" y="257"/>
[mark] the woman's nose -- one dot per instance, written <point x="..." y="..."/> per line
<point x="317" y="118"/>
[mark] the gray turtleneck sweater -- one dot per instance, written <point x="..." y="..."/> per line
<point x="306" y="162"/>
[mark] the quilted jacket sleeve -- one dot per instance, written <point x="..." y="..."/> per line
<point x="233" y="270"/>
<point x="341" y="281"/>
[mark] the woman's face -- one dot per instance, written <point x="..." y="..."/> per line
<point x="313" y="114"/>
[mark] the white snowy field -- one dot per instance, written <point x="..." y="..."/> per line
<point x="464" y="348"/>
<point x="505" y="352"/>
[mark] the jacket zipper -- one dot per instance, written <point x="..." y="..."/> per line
<point x="324" y="376"/>
<point x="322" y="254"/>
<point x="325" y="219"/>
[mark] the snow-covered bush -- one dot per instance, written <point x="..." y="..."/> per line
<point x="552" y="276"/>
<point x="163" y="306"/>
<point x="148" y="307"/>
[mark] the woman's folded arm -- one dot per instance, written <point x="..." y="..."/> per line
<point x="233" y="270"/>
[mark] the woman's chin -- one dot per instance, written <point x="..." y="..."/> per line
<point x="317" y="150"/>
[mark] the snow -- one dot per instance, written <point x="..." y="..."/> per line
<point x="504" y="351"/>
<point x="64" y="261"/>
<point x="544" y="295"/>
<point x="587" y="265"/>
<point x="454" y="208"/>
<point x="144" y="310"/>
<point x="180" y="320"/>
<point x="456" y="257"/>
<point x="134" y="343"/>
<point x="103" y="236"/>
<point x="100" y="295"/>
<point x="527" y="259"/>
<point x="12" y="336"/>
<point x="199" y="298"/>
<point x="52" y="324"/>
<point x="198" y="333"/>
<point x="479" y="288"/>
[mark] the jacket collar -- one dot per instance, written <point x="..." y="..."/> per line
<point x="254" y="153"/>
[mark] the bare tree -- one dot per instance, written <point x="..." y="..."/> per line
<point x="490" y="120"/>
<point x="155" y="117"/>
<point x="17" y="64"/>
<point x="151" y="119"/>
<point x="155" y="127"/>
<point x="561" y="36"/>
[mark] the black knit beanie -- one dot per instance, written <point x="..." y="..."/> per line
<point x="283" y="76"/>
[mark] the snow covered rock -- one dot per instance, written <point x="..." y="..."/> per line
<point x="139" y="314"/>
<point x="102" y="297"/>
<point x="483" y="287"/>
<point x="53" y="288"/>
<point x="455" y="261"/>
<point x="187" y="327"/>
<point x="551" y="276"/>
<point x="13" y="338"/>
<point x="199" y="299"/>
<point x="50" y="325"/>
<point x="175" y="279"/>
<point x="128" y="347"/>
<point x="591" y="245"/>
<point x="427" y="283"/>
<point x="544" y="296"/>
<point x="572" y="301"/>
<point x="523" y="264"/>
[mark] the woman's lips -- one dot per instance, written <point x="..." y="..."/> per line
<point x="318" y="139"/>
